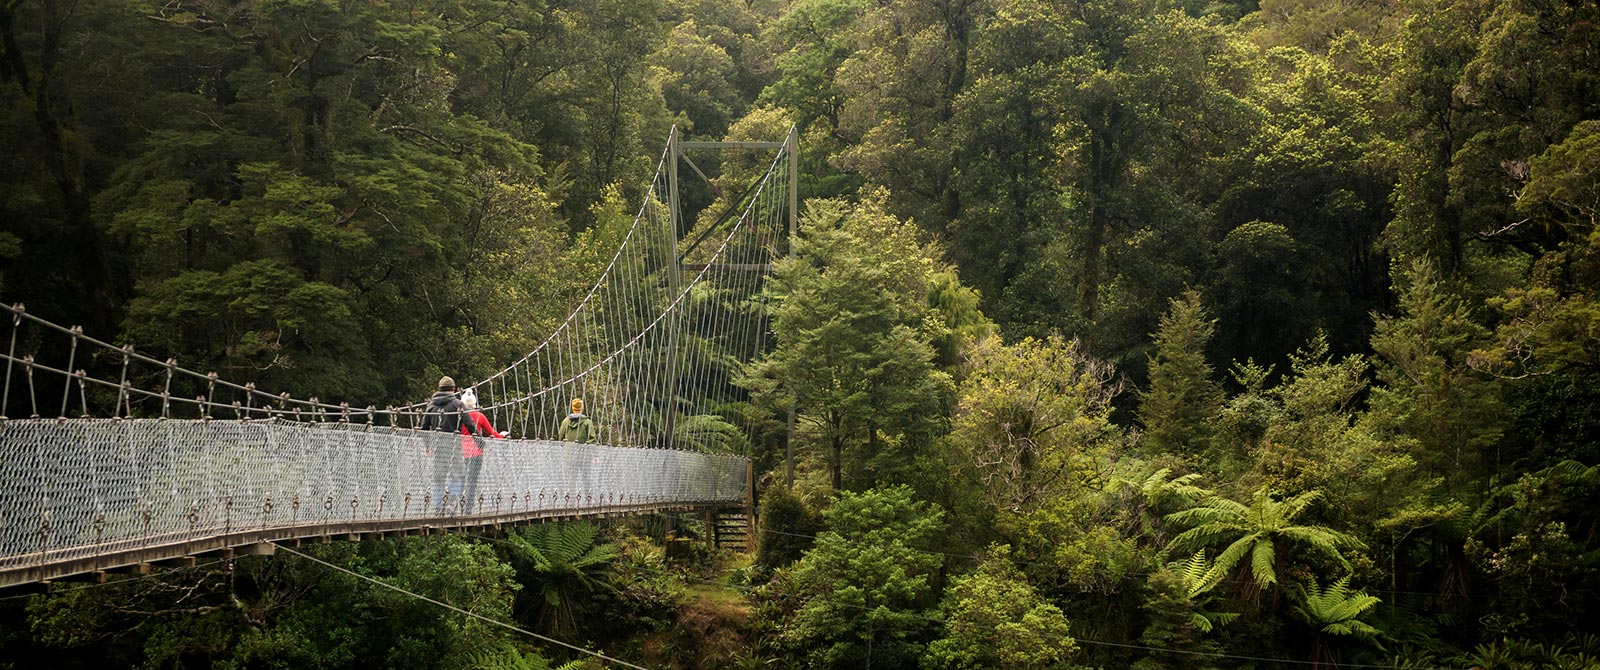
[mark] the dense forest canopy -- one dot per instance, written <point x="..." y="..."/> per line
<point x="1118" y="333"/>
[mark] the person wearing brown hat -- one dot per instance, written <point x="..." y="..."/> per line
<point x="444" y="411"/>
<point x="445" y="414"/>
<point x="577" y="427"/>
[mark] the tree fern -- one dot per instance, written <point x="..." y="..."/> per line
<point x="559" y="561"/>
<point x="1157" y="488"/>
<point x="707" y="432"/>
<point x="1336" y="609"/>
<point x="1574" y="472"/>
<point x="1256" y="531"/>
<point x="1149" y="494"/>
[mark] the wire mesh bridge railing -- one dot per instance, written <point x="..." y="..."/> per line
<point x="111" y="457"/>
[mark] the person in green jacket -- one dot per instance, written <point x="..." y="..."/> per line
<point x="577" y="427"/>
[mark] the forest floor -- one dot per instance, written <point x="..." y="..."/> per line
<point x="712" y="630"/>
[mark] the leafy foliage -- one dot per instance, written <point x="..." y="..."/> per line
<point x="1380" y="217"/>
<point x="1256" y="530"/>
<point x="866" y="585"/>
<point x="1333" y="610"/>
<point x="1177" y="410"/>
<point x="852" y="358"/>
<point x="1033" y="420"/>
<point x="995" y="619"/>
<point x="559" y="563"/>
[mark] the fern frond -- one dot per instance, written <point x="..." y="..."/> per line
<point x="1575" y="472"/>
<point x="1325" y="540"/>
<point x="1195" y="568"/>
<point x="1200" y="537"/>
<point x="1197" y="575"/>
<point x="1198" y="515"/>
<point x="1230" y="557"/>
<point x="502" y="656"/>
<point x="1292" y="507"/>
<point x="1262" y="563"/>
<point x="1185" y="487"/>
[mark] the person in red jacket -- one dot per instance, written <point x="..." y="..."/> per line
<point x="474" y="428"/>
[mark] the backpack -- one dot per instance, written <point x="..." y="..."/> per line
<point x="445" y="418"/>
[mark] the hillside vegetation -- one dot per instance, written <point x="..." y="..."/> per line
<point x="1118" y="333"/>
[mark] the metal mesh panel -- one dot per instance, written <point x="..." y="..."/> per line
<point x="85" y="487"/>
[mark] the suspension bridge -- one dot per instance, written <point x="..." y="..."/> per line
<point x="112" y="459"/>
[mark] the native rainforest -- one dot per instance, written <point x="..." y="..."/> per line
<point x="1117" y="333"/>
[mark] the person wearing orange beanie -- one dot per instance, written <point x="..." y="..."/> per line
<point x="577" y="427"/>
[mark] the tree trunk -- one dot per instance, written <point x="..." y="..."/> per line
<point x="1105" y="165"/>
<point x="838" y="452"/>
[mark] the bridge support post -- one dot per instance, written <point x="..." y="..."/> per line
<point x="752" y="541"/>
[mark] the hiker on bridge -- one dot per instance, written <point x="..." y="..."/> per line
<point x="473" y="430"/>
<point x="577" y="427"/>
<point x="447" y="414"/>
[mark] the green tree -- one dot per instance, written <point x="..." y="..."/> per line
<point x="1531" y="540"/>
<point x="811" y="40"/>
<point x="1561" y="191"/>
<point x="864" y="589"/>
<point x="1033" y="421"/>
<point x="1472" y="72"/>
<point x="1178" y="409"/>
<point x="900" y="89"/>
<point x="852" y="359"/>
<point x="788" y="524"/>
<point x="696" y="79"/>
<point x="286" y="611"/>
<point x="1179" y="606"/>
<point x="1303" y="214"/>
<point x="48" y="185"/>
<point x="1436" y="45"/>
<point x="1259" y="289"/>
<point x="1318" y="438"/>
<point x="995" y="619"/>
<point x="1451" y="411"/>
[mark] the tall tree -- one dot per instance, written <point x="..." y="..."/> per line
<point x="852" y="359"/>
<point x="1183" y="399"/>
<point x="53" y="63"/>
<point x="1428" y="389"/>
